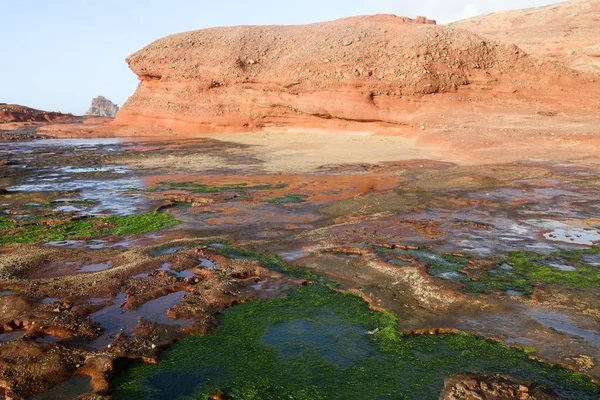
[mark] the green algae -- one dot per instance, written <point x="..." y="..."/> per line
<point x="531" y="267"/>
<point x="519" y="272"/>
<point x="289" y="198"/>
<point x="53" y="203"/>
<point x="7" y="223"/>
<point x="14" y="232"/>
<point x="270" y="261"/>
<point x="316" y="344"/>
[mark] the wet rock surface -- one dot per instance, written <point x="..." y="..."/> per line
<point x="493" y="387"/>
<point x="443" y="246"/>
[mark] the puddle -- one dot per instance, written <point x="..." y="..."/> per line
<point x="71" y="389"/>
<point x="48" y="339"/>
<point x="592" y="259"/>
<point x="345" y="255"/>
<point x="565" y="326"/>
<point x="167" y="267"/>
<point x="6" y="292"/>
<point x="397" y="262"/>
<point x="182" y="274"/>
<point x="114" y="319"/>
<point x="451" y="276"/>
<point x="8" y="336"/>
<point x="166" y="251"/>
<point x="437" y="265"/>
<point x="206" y="263"/>
<point x="514" y="293"/>
<point x="327" y="335"/>
<point x="48" y="300"/>
<point x="77" y="244"/>
<point x="561" y="232"/>
<point x="293" y="255"/>
<point x="98" y="300"/>
<point x="140" y="276"/>
<point x="95" y="267"/>
<point x="561" y="267"/>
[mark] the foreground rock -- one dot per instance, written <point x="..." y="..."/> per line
<point x="568" y="31"/>
<point x="480" y="386"/>
<point x="102" y="107"/>
<point x="372" y="73"/>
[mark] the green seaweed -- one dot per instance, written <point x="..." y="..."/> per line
<point x="289" y="198"/>
<point x="314" y="344"/>
<point x="527" y="269"/>
<point x="530" y="266"/>
<point x="50" y="204"/>
<point x="7" y="223"/>
<point x="85" y="228"/>
<point x="270" y="261"/>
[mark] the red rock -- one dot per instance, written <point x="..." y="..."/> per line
<point x="568" y="31"/>
<point x="486" y="386"/>
<point x="16" y="113"/>
<point x="363" y="73"/>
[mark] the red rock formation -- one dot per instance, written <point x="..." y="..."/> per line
<point x="361" y="73"/>
<point x="567" y="32"/>
<point x="16" y="113"/>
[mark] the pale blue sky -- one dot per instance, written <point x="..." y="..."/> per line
<point x="57" y="55"/>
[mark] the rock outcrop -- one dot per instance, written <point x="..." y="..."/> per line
<point x="15" y="113"/>
<point x="484" y="386"/>
<point x="567" y="32"/>
<point x="102" y="107"/>
<point x="362" y="73"/>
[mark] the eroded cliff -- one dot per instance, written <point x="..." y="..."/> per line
<point x="361" y="73"/>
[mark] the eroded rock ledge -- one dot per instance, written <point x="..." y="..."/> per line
<point x="371" y="72"/>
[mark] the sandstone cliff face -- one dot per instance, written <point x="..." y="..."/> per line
<point x="102" y="107"/>
<point x="16" y="113"/>
<point x="567" y="32"/>
<point x="351" y="74"/>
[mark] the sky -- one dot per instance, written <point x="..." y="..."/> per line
<point x="58" y="55"/>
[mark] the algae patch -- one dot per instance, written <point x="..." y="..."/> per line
<point x="315" y="344"/>
<point x="12" y="231"/>
<point x="288" y="199"/>
<point x="516" y="274"/>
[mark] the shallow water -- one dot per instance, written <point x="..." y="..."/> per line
<point x="71" y="389"/>
<point x="561" y="232"/>
<point x="95" y="267"/>
<point x="114" y="319"/>
<point x="8" y="336"/>
<point x="561" y="267"/>
<point x="48" y="300"/>
<point x="206" y="263"/>
<point x="564" y="325"/>
<point x="105" y="186"/>
<point x="48" y="339"/>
